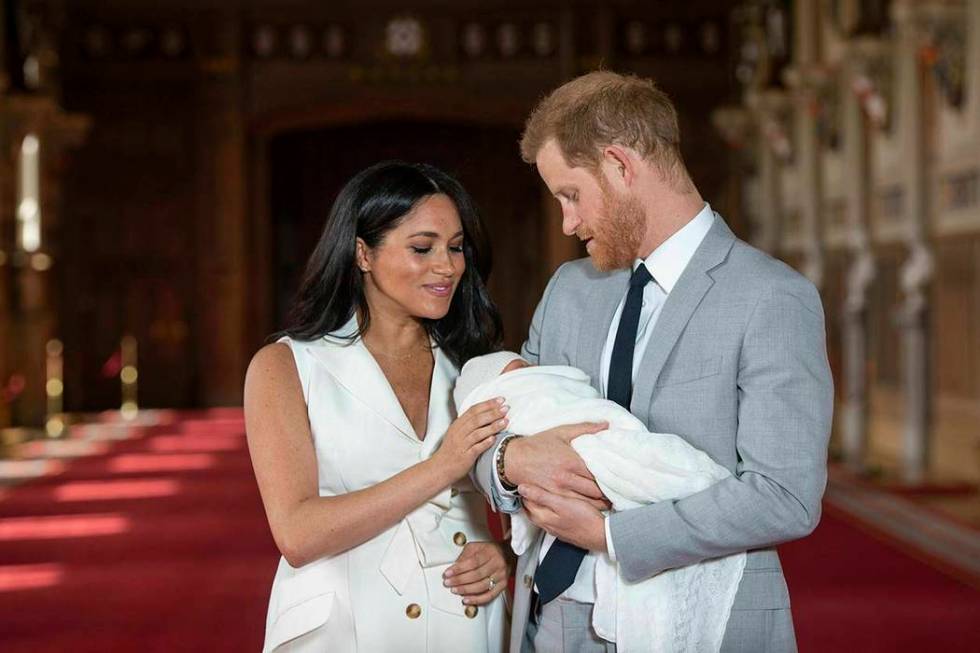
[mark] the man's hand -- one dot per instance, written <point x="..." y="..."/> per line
<point x="548" y="461"/>
<point x="569" y="519"/>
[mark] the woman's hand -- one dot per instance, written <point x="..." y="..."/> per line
<point x="470" y="435"/>
<point x="480" y="573"/>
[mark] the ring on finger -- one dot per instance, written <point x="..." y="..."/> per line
<point x="492" y="582"/>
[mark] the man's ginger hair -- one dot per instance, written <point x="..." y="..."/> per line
<point x="605" y="108"/>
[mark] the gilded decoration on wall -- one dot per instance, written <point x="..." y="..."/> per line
<point x="826" y="107"/>
<point x="946" y="56"/>
<point x="474" y="39"/>
<point x="760" y="28"/>
<point x="875" y="89"/>
<point x="405" y="37"/>
<point x="961" y="191"/>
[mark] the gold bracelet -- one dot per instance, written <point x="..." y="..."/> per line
<point x="510" y="487"/>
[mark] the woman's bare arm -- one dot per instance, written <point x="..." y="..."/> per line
<point x="306" y="526"/>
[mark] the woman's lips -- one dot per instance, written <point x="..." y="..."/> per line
<point x="439" y="290"/>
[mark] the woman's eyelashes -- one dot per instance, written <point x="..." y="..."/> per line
<point x="422" y="250"/>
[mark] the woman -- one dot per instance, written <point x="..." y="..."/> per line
<point x="362" y="470"/>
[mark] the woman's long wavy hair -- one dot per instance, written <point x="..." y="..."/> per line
<point x="371" y="204"/>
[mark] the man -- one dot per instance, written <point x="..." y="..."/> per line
<point x="694" y="331"/>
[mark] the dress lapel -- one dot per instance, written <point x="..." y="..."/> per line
<point x="354" y="368"/>
<point x="442" y="411"/>
<point x="604" y="296"/>
<point x="678" y="308"/>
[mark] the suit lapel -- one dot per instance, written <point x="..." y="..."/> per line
<point x="678" y="308"/>
<point x="600" y="306"/>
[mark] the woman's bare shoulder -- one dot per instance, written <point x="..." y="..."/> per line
<point x="273" y="363"/>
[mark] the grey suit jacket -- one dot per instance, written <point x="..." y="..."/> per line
<point x="736" y="365"/>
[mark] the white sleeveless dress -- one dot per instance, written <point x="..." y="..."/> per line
<point x="387" y="593"/>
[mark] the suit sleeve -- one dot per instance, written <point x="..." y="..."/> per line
<point x="785" y="406"/>
<point x="484" y="472"/>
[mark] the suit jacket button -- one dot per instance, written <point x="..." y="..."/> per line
<point x="471" y="611"/>
<point x="459" y="538"/>
<point x="414" y="610"/>
<point x="528" y="582"/>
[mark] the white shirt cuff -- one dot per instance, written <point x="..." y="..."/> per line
<point x="610" y="551"/>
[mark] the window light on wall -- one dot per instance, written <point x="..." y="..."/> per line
<point x="29" y="197"/>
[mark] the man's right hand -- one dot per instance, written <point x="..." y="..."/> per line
<point x="548" y="461"/>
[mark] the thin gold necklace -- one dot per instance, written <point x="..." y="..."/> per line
<point x="400" y="357"/>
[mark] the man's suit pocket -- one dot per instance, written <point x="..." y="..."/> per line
<point x="689" y="371"/>
<point x="760" y="621"/>
<point x="761" y="589"/>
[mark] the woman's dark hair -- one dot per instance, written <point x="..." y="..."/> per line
<point x="371" y="204"/>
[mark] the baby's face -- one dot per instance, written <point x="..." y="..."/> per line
<point x="516" y="364"/>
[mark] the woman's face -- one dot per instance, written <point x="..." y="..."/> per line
<point x="414" y="270"/>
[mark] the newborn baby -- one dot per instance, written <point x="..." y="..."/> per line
<point x="683" y="609"/>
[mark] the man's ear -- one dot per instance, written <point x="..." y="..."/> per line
<point x="618" y="166"/>
<point x="361" y="255"/>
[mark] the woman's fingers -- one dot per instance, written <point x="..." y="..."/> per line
<point x="486" y="412"/>
<point x="478" y="581"/>
<point x="471" y="558"/>
<point x="491" y="429"/>
<point x="486" y="597"/>
<point x="480" y="574"/>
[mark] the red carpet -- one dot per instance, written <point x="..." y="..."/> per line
<point x="160" y="544"/>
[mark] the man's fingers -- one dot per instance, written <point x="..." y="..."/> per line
<point x="579" y="486"/>
<point x="533" y="494"/>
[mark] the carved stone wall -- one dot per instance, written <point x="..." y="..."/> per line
<point x="170" y="213"/>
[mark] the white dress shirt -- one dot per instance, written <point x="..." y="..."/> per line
<point x="666" y="264"/>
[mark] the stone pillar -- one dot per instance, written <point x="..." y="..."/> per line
<point x="735" y="125"/>
<point x="221" y="353"/>
<point x="28" y="286"/>
<point x="917" y="271"/>
<point x="773" y="152"/>
<point x="805" y="79"/>
<point x="861" y="266"/>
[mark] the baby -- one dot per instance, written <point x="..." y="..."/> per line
<point x="683" y="609"/>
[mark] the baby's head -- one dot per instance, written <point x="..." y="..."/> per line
<point x="515" y="364"/>
<point x="481" y="369"/>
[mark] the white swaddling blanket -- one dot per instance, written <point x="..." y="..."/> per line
<point x="678" y="610"/>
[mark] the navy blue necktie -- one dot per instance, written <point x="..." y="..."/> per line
<point x="557" y="571"/>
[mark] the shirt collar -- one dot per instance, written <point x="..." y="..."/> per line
<point x="667" y="262"/>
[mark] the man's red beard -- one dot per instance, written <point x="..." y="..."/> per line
<point x="617" y="232"/>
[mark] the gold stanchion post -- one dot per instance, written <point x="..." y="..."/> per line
<point x="128" y="376"/>
<point x="54" y="422"/>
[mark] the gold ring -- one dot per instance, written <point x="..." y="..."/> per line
<point x="493" y="583"/>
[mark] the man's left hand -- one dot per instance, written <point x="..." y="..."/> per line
<point x="573" y="520"/>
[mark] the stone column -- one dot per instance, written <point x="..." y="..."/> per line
<point x="861" y="267"/>
<point x="736" y="126"/>
<point x="917" y="271"/>
<point x="221" y="333"/>
<point x="805" y="78"/>
<point x="29" y="295"/>
<point x="773" y="152"/>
